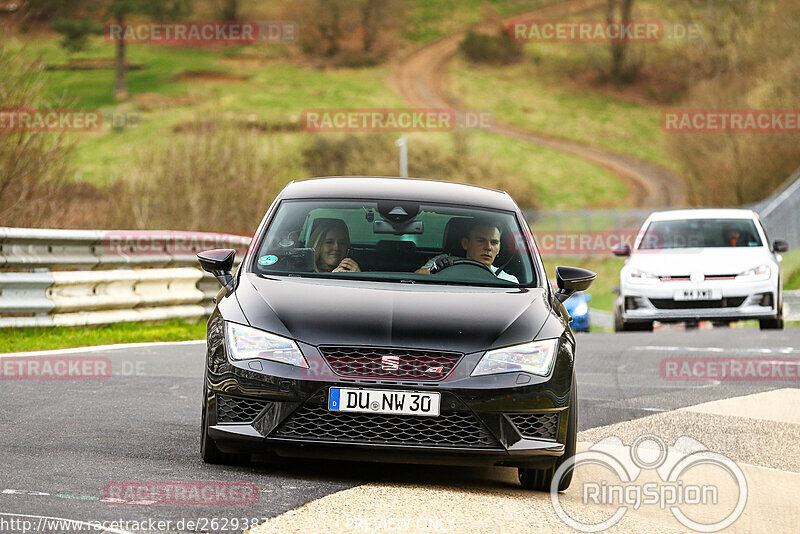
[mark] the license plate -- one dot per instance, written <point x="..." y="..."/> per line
<point x="698" y="294"/>
<point x="383" y="401"/>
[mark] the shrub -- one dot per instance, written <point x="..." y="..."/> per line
<point x="214" y="176"/>
<point x="497" y="49"/>
<point x="33" y="165"/>
<point x="377" y="155"/>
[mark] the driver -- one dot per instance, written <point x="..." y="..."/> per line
<point x="733" y="237"/>
<point x="482" y="244"/>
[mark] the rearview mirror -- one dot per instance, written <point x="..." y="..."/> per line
<point x="779" y="245"/>
<point x="622" y="250"/>
<point x="218" y="262"/>
<point x="572" y="279"/>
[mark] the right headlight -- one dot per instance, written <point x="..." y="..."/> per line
<point x="636" y="276"/>
<point x="246" y="343"/>
<point x="762" y="272"/>
<point x="535" y="357"/>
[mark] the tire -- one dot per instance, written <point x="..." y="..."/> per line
<point x="771" y="324"/>
<point x="646" y="326"/>
<point x="619" y="325"/>
<point x="540" y="479"/>
<point x="208" y="449"/>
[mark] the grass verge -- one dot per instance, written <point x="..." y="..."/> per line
<point x="791" y="270"/>
<point x="48" y="338"/>
<point x="534" y="95"/>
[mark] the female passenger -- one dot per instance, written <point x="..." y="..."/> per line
<point x="330" y="241"/>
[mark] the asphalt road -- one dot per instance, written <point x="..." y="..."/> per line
<point x="63" y="441"/>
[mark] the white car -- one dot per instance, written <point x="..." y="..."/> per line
<point x="700" y="264"/>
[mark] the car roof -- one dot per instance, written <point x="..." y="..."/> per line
<point x="413" y="189"/>
<point x="672" y="215"/>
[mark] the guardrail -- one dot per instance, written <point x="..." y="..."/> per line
<point x="79" y="277"/>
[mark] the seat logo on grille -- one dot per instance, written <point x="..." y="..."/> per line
<point x="390" y="363"/>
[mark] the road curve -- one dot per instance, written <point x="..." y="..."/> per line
<point x="420" y="80"/>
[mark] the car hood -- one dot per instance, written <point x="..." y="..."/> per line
<point x="462" y="319"/>
<point x="709" y="261"/>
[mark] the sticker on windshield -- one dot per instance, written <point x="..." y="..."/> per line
<point x="267" y="260"/>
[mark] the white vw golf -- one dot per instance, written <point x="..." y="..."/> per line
<point x="700" y="264"/>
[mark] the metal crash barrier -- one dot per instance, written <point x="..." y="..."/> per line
<point x="51" y="277"/>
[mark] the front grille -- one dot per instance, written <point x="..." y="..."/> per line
<point x="536" y="425"/>
<point x="669" y="304"/>
<point x="458" y="429"/>
<point x="235" y="410"/>
<point x="379" y="363"/>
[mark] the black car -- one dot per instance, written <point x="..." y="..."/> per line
<point x="392" y="319"/>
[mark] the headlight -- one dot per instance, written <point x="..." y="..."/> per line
<point x="535" y="358"/>
<point x="639" y="277"/>
<point x="762" y="272"/>
<point x="245" y="343"/>
<point x="581" y="309"/>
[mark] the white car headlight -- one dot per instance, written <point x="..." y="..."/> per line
<point x="245" y="343"/>
<point x="535" y="357"/>
<point x="640" y="277"/>
<point x="762" y="272"/>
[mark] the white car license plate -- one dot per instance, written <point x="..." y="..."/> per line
<point x="698" y="294"/>
<point x="383" y="401"/>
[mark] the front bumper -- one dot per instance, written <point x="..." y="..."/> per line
<point x="512" y="419"/>
<point x="740" y="300"/>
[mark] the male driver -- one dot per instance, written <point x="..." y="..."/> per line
<point x="482" y="243"/>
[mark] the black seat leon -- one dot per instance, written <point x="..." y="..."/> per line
<point x="463" y="366"/>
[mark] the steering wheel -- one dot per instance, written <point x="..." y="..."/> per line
<point x="474" y="263"/>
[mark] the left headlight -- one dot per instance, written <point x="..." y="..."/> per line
<point x="245" y="343"/>
<point x="535" y="357"/>
<point x="762" y="272"/>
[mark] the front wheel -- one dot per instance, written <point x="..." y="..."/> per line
<point x="540" y="479"/>
<point x="771" y="324"/>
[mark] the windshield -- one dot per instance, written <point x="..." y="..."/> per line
<point x="692" y="233"/>
<point x="395" y="241"/>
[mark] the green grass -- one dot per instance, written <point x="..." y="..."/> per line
<point x="536" y="97"/>
<point x="791" y="270"/>
<point x="46" y="338"/>
<point x="429" y="19"/>
<point x="563" y="181"/>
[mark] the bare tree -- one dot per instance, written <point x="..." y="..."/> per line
<point x="623" y="69"/>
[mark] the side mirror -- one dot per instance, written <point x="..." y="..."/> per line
<point x="572" y="279"/>
<point x="218" y="262"/>
<point x="779" y="245"/>
<point x="622" y="250"/>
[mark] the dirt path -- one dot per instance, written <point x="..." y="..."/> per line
<point x="420" y="79"/>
